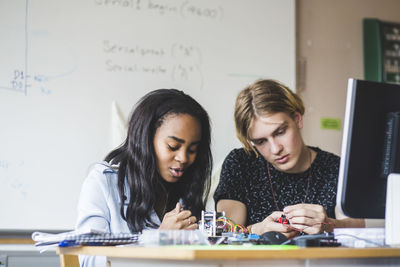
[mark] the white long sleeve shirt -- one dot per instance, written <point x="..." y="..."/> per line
<point x="99" y="207"/>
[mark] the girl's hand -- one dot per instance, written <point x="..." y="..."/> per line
<point x="178" y="219"/>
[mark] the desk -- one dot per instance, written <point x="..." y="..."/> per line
<point x="235" y="256"/>
<point x="18" y="250"/>
<point x="21" y="255"/>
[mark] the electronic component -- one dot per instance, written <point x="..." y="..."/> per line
<point x="283" y="219"/>
<point x="316" y="240"/>
<point x="208" y="222"/>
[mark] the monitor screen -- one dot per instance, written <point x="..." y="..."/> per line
<point x="368" y="147"/>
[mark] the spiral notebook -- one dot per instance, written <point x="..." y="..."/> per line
<point x="100" y="240"/>
<point x="88" y="237"/>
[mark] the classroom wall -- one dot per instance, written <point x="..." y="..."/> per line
<point x="329" y="51"/>
<point x="70" y="72"/>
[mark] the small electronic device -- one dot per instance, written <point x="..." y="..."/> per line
<point x="316" y="240"/>
<point x="272" y="238"/>
<point x="208" y="222"/>
<point x="283" y="219"/>
<point x="215" y="224"/>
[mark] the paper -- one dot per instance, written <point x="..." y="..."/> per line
<point x="42" y="237"/>
<point x="330" y="124"/>
<point x="43" y="241"/>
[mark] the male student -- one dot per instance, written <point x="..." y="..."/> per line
<point x="276" y="173"/>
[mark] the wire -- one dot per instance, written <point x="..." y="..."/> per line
<point x="229" y="226"/>
<point x="324" y="236"/>
<point x="363" y="239"/>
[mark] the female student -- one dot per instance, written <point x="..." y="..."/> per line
<point x="159" y="176"/>
<point x="275" y="173"/>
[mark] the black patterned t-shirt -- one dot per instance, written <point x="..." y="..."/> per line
<point x="244" y="178"/>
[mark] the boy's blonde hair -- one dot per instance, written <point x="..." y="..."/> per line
<point x="261" y="98"/>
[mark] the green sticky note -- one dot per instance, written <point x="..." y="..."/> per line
<point x="330" y="124"/>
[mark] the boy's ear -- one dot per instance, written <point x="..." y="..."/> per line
<point x="298" y="118"/>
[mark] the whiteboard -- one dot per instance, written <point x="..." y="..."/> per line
<point x="63" y="64"/>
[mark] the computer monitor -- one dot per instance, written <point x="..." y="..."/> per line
<point x="368" y="148"/>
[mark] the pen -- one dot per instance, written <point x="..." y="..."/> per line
<point x="68" y="243"/>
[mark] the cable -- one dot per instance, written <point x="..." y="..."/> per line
<point x="363" y="239"/>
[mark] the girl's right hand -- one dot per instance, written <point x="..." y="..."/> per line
<point x="178" y="219"/>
